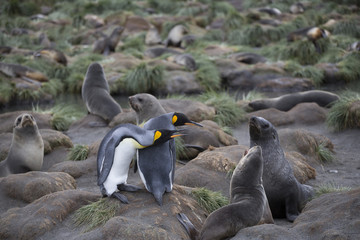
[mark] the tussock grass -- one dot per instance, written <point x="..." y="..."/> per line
<point x="209" y="200"/>
<point x="214" y="35"/>
<point x="349" y="67"/>
<point x="228" y="113"/>
<point x="325" y="154"/>
<point x="181" y="152"/>
<point x="78" y="152"/>
<point x="137" y="43"/>
<point x="96" y="214"/>
<point x="251" y="35"/>
<point x="207" y="74"/>
<point x="344" y="113"/>
<point x="316" y="75"/>
<point x="164" y="6"/>
<point x="252" y="95"/>
<point x="329" y="188"/>
<point x="7" y="91"/>
<point x="348" y="27"/>
<point x="27" y="94"/>
<point x="144" y="79"/>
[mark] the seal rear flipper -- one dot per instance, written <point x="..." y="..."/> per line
<point x="121" y="197"/>
<point x="128" y="187"/>
<point x="197" y="147"/>
<point x="190" y="229"/>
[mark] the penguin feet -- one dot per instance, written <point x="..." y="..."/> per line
<point x="128" y="187"/>
<point x="121" y="197"/>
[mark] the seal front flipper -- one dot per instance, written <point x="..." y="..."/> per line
<point x="121" y="197"/>
<point x="190" y="229"/>
<point x="128" y="187"/>
<point x="291" y="208"/>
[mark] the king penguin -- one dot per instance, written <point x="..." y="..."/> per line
<point x="157" y="164"/>
<point x="116" y="152"/>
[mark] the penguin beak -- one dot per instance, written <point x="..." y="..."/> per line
<point x="178" y="133"/>
<point x="191" y="123"/>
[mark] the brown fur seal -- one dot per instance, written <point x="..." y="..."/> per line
<point x="106" y="45"/>
<point x="96" y="95"/>
<point x="175" y="35"/>
<point x="311" y="33"/>
<point x="184" y="59"/>
<point x="248" y="203"/>
<point x="27" y="148"/>
<point x="146" y="106"/>
<point x="288" y="101"/>
<point x="285" y="194"/>
<point x="23" y="72"/>
<point x="53" y="55"/>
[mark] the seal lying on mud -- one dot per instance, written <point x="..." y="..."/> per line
<point x="248" y="203"/>
<point x="285" y="194"/>
<point x="288" y="101"/>
<point x="27" y="148"/>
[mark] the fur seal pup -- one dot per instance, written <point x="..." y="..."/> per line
<point x="96" y="94"/>
<point x="288" y="101"/>
<point x="27" y="147"/>
<point x="270" y="11"/>
<point x="175" y="35"/>
<point x="106" y="45"/>
<point x="247" y="206"/>
<point x="184" y="59"/>
<point x="157" y="164"/>
<point x="311" y="33"/>
<point x="23" y="72"/>
<point x="297" y="8"/>
<point x="285" y="194"/>
<point x="53" y="55"/>
<point x="116" y="152"/>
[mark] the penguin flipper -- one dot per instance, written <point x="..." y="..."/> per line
<point x="128" y="187"/>
<point x="190" y="228"/>
<point x="108" y="161"/>
<point x="121" y="197"/>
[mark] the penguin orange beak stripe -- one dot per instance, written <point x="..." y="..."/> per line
<point x="176" y="135"/>
<point x="194" y="124"/>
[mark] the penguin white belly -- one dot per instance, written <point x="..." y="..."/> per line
<point x="120" y="168"/>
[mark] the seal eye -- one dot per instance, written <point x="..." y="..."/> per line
<point x="140" y="99"/>
<point x="18" y="121"/>
<point x="266" y="125"/>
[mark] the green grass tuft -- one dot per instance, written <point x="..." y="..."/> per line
<point x="345" y="113"/>
<point x="349" y="67"/>
<point x="252" y="95"/>
<point x="314" y="74"/>
<point x="96" y="214"/>
<point x="7" y="91"/>
<point x="228" y="113"/>
<point x="207" y="74"/>
<point x="78" y="152"/>
<point x="144" y="79"/>
<point x="53" y="87"/>
<point x="251" y="35"/>
<point x="348" y="27"/>
<point x="209" y="200"/>
<point x="325" y="154"/>
<point x="329" y="188"/>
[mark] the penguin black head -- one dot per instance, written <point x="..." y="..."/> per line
<point x="179" y="119"/>
<point x="163" y="135"/>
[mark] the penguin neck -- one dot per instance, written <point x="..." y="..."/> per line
<point x="133" y="143"/>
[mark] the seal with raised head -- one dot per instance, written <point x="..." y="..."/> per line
<point x="146" y="106"/>
<point x="285" y="194"/>
<point x="96" y="94"/>
<point x="116" y="152"/>
<point x="107" y="44"/>
<point x="175" y="35"/>
<point x="27" y="147"/>
<point x="157" y="164"/>
<point x="288" y="101"/>
<point x="248" y="202"/>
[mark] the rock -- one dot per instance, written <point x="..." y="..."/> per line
<point x="33" y="185"/>
<point x="330" y="216"/>
<point x="76" y="168"/>
<point x="304" y="142"/>
<point x="210" y="168"/>
<point x="248" y="58"/>
<point x="136" y="24"/>
<point x="93" y="21"/>
<point x="43" y="120"/>
<point x="302" y="113"/>
<point x="128" y="115"/>
<point x="168" y="66"/>
<point x="285" y="84"/>
<point x="181" y="82"/>
<point x="224" y="138"/>
<point x="53" y="139"/>
<point x="5" y="142"/>
<point x="142" y="218"/>
<point x="33" y="220"/>
<point x="194" y="110"/>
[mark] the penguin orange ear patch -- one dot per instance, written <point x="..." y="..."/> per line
<point x="157" y="135"/>
<point x="174" y="119"/>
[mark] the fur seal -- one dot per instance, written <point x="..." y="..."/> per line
<point x="184" y="59"/>
<point x="270" y="11"/>
<point x="288" y="101"/>
<point x="152" y="36"/>
<point x="285" y="194"/>
<point x="116" y="152"/>
<point x="23" y="72"/>
<point x="157" y="164"/>
<point x="248" y="58"/>
<point x="297" y="8"/>
<point x="27" y="147"/>
<point x="96" y="95"/>
<point x="311" y="33"/>
<point x="106" y="45"/>
<point x="53" y="55"/>
<point x="146" y="106"/>
<point x="248" y="202"/>
<point x="175" y="35"/>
